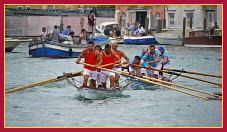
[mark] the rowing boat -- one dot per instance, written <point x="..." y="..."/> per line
<point x="99" y="93"/>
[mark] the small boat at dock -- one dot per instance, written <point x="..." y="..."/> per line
<point x="140" y="40"/>
<point x="62" y="49"/>
<point x="11" y="43"/>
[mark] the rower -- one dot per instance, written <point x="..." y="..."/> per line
<point x="135" y="70"/>
<point x="99" y="48"/>
<point x="108" y="56"/>
<point x="141" y="55"/>
<point x="152" y="57"/>
<point x="118" y="67"/>
<point x="164" y="62"/>
<point x="92" y="57"/>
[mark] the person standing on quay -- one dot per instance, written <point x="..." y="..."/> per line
<point x="91" y="22"/>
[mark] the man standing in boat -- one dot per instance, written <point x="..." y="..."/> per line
<point x="55" y="34"/>
<point x="164" y="62"/>
<point x="109" y="56"/>
<point x="118" y="67"/>
<point x="152" y="58"/>
<point x="92" y="57"/>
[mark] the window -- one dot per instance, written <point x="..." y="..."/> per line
<point x="19" y="7"/>
<point x="211" y="18"/>
<point x="123" y="22"/>
<point x="171" y="19"/>
<point x="157" y="15"/>
<point x="28" y="7"/>
<point x="188" y="16"/>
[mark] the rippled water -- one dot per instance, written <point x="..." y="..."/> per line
<point x="59" y="104"/>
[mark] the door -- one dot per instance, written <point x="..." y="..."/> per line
<point x="140" y="17"/>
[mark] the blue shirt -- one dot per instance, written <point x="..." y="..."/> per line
<point x="131" y="61"/>
<point x="132" y="27"/>
<point x="141" y="55"/>
<point x="165" y="54"/>
<point x="66" y="31"/>
<point x="148" y="57"/>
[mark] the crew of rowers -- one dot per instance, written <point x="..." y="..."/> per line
<point x="110" y="59"/>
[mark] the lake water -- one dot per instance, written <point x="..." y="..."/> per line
<point x="59" y="104"/>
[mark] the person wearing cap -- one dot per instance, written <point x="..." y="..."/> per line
<point x="164" y="62"/>
<point x="152" y="58"/>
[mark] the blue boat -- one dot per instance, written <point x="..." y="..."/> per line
<point x="65" y="49"/>
<point x="139" y="40"/>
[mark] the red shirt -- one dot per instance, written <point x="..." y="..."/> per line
<point x="120" y="56"/>
<point x="108" y="59"/>
<point x="90" y="58"/>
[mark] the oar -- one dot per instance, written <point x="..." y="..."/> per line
<point x="190" y="72"/>
<point x="55" y="79"/>
<point x="173" y="73"/>
<point x="145" y="80"/>
<point x="178" y="85"/>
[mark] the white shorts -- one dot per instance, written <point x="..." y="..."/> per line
<point x="149" y="73"/>
<point x="144" y="71"/>
<point x="117" y="69"/>
<point x="99" y="74"/>
<point x="136" y="70"/>
<point x="105" y="75"/>
<point x="90" y="73"/>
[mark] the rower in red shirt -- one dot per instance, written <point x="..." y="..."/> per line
<point x="108" y="56"/>
<point x="118" y="67"/>
<point x="93" y="57"/>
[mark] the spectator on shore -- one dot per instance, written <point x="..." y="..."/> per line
<point x="91" y="22"/>
<point x="84" y="37"/>
<point x="67" y="31"/>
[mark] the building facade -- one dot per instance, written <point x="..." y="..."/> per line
<point x="175" y="14"/>
<point x="132" y="14"/>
